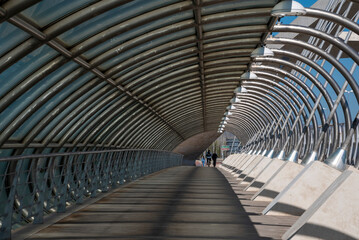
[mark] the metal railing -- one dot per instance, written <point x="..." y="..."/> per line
<point x="33" y="186"/>
<point x="301" y="137"/>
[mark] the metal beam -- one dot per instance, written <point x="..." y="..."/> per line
<point x="199" y="33"/>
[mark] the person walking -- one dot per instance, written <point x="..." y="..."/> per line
<point x="214" y="158"/>
<point x="208" y="156"/>
<point x="203" y="160"/>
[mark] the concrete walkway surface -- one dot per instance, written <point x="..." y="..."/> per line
<point x="176" y="203"/>
<point x="272" y="227"/>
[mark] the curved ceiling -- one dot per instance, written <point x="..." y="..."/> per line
<point x="160" y="74"/>
<point x="125" y="74"/>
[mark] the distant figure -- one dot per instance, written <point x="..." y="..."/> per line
<point x="214" y="158"/>
<point x="203" y="160"/>
<point x="208" y="156"/>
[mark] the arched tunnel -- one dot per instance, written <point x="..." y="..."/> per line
<point x="97" y="93"/>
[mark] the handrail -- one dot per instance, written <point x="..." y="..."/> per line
<point x="34" y="185"/>
<point x="20" y="157"/>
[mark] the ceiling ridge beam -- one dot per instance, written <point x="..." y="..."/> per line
<point x="37" y="34"/>
<point x="197" y="5"/>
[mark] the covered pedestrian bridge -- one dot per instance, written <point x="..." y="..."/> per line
<point x="105" y="101"/>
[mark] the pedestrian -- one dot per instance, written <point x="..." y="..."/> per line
<point x="203" y="160"/>
<point x="208" y="156"/>
<point x="214" y="158"/>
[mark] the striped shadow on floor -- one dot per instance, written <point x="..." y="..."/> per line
<point x="176" y="203"/>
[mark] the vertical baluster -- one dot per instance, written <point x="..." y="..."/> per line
<point x="5" y="229"/>
<point x="63" y="187"/>
<point x="95" y="172"/>
<point x="40" y="189"/>
<point x="115" y="169"/>
<point x="107" y="161"/>
<point x="123" y="167"/>
<point x="83" y="181"/>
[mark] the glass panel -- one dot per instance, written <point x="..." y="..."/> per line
<point x="236" y="5"/>
<point x="113" y="42"/>
<point x="101" y="131"/>
<point x="232" y="37"/>
<point x="146" y="46"/>
<point x="80" y="115"/>
<point x="12" y="76"/>
<point x="237" y="23"/>
<point x="244" y="46"/>
<point x="47" y="150"/>
<point x="118" y="123"/>
<point x="10" y="113"/>
<point x="110" y="18"/>
<point x="138" y="64"/>
<point x="10" y="36"/>
<point x="156" y="79"/>
<point x="93" y="117"/>
<point x="48" y="11"/>
<point x="49" y="105"/>
<point x="108" y="121"/>
<point x="188" y="83"/>
<point x="3" y="166"/>
<point x="3" y="184"/>
<point x="67" y="111"/>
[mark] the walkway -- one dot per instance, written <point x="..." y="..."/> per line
<point x="176" y="203"/>
<point x="272" y="227"/>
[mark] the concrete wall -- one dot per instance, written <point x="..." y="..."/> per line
<point x="279" y="181"/>
<point x="297" y="197"/>
<point x="334" y="215"/>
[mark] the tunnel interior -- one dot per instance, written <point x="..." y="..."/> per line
<point x="138" y="82"/>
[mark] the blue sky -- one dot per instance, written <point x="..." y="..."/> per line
<point x="336" y="75"/>
<point x="305" y="3"/>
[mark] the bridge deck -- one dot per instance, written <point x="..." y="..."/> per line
<point x="176" y="203"/>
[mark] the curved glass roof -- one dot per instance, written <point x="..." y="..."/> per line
<point x="153" y="74"/>
<point x="127" y="74"/>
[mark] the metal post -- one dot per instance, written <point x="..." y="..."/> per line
<point x="271" y="152"/>
<point x="234" y="138"/>
<point x="272" y="135"/>
<point x="294" y="155"/>
<point x="40" y="186"/>
<point x="281" y="154"/>
<point x="5" y="228"/>
<point x="338" y="158"/>
<point x="269" y="134"/>
<point x="314" y="155"/>
<point x="263" y="139"/>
